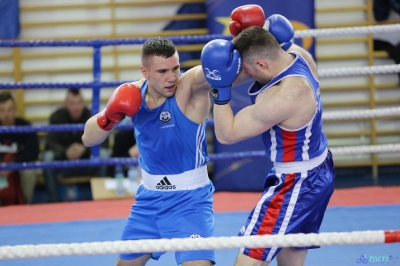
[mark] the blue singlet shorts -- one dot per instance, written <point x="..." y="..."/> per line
<point x="291" y="204"/>
<point x="179" y="214"/>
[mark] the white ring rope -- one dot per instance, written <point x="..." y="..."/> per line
<point x="346" y="31"/>
<point x="382" y="148"/>
<point x="354" y="114"/>
<point x="178" y="244"/>
<point x="351" y="71"/>
<point x="354" y="71"/>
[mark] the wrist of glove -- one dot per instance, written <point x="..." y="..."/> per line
<point x="105" y="123"/>
<point x="221" y="96"/>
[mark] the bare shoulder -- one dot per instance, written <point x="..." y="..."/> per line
<point x="192" y="95"/>
<point x="139" y="83"/>
<point x="286" y="94"/>
<point x="189" y="76"/>
<point x="307" y="56"/>
<point x="194" y="82"/>
<point x="186" y="77"/>
<point x="296" y="87"/>
<point x="281" y="102"/>
<point x="290" y="103"/>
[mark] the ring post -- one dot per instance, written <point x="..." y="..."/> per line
<point x="96" y="87"/>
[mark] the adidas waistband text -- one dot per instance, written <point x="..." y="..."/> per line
<point x="165" y="184"/>
<point x="188" y="180"/>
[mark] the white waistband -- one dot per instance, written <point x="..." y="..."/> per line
<point x="297" y="167"/>
<point x="188" y="180"/>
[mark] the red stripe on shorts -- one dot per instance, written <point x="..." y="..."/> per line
<point x="271" y="216"/>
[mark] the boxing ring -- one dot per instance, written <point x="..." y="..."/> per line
<point x="391" y="235"/>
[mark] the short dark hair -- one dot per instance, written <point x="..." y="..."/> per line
<point x="256" y="41"/>
<point x="5" y="96"/>
<point x="74" y="91"/>
<point x="158" y="46"/>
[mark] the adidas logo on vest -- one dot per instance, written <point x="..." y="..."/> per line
<point x="165" y="184"/>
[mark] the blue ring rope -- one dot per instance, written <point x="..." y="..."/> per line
<point x="120" y="161"/>
<point x="59" y="85"/>
<point x="95" y="85"/>
<point x="177" y="40"/>
<point x="60" y="128"/>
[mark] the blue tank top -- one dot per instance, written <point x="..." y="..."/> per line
<point x="305" y="143"/>
<point x="169" y="142"/>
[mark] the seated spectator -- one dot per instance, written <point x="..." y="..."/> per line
<point x="384" y="11"/>
<point x="68" y="145"/>
<point x="16" y="187"/>
<point x="124" y="146"/>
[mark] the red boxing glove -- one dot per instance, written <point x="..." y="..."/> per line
<point x="246" y="16"/>
<point x="124" y="101"/>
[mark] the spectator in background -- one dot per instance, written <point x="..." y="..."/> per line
<point x="68" y="145"/>
<point x="384" y="11"/>
<point x="124" y="146"/>
<point x="16" y="187"/>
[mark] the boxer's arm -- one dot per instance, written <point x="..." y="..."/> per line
<point x="269" y="110"/>
<point x="93" y="134"/>
<point x="124" y="101"/>
<point x="198" y="80"/>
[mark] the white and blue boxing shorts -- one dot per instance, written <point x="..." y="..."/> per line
<point x="294" y="201"/>
<point x="172" y="206"/>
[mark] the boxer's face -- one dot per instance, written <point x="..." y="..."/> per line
<point x="163" y="74"/>
<point x="7" y="113"/>
<point x="256" y="71"/>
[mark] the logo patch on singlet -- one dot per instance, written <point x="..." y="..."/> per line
<point x="165" y="117"/>
<point x="164" y="184"/>
<point x="195" y="235"/>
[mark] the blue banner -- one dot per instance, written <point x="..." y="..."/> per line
<point x="249" y="174"/>
<point x="9" y="19"/>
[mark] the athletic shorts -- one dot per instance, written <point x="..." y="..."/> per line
<point x="179" y="214"/>
<point x="290" y="204"/>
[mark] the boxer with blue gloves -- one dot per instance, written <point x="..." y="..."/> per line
<point x="221" y="65"/>
<point x="286" y="112"/>
<point x="253" y="15"/>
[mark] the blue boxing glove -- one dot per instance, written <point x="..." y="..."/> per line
<point x="221" y="64"/>
<point x="281" y="28"/>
